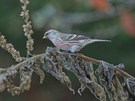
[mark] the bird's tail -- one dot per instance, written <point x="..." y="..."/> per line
<point x="98" y="40"/>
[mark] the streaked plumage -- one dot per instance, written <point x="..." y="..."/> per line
<point x="70" y="42"/>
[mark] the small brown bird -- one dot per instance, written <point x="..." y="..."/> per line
<point x="70" y="42"/>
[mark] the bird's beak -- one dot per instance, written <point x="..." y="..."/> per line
<point x="44" y="37"/>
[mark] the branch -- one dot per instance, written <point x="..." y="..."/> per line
<point x="54" y="61"/>
<point x="27" y="27"/>
<point x="117" y="70"/>
<point x="28" y="60"/>
<point x="10" y="48"/>
<point x="94" y="61"/>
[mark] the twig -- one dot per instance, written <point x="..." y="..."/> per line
<point x="27" y="27"/>
<point x="117" y="70"/>
<point x="10" y="48"/>
<point x="35" y="57"/>
<point x="123" y="73"/>
<point x="94" y="61"/>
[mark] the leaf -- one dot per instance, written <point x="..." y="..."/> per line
<point x="102" y="5"/>
<point x="128" y="22"/>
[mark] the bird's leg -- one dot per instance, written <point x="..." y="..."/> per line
<point x="71" y="53"/>
<point x="29" y="55"/>
<point x="58" y="50"/>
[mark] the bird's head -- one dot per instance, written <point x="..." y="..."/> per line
<point x="50" y="32"/>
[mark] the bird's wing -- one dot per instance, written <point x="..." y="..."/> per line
<point x="73" y="38"/>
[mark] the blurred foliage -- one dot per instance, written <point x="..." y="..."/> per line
<point x="76" y="16"/>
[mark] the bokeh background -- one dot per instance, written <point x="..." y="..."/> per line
<point x="105" y="19"/>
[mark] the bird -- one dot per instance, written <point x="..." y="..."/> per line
<point x="69" y="42"/>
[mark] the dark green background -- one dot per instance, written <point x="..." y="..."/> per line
<point x="120" y="50"/>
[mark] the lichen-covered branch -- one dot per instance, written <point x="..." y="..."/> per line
<point x="117" y="70"/>
<point x="54" y="61"/>
<point x="27" y="27"/>
<point x="10" y="48"/>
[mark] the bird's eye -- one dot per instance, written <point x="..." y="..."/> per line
<point x="46" y="34"/>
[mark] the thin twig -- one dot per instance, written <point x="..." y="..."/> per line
<point x="10" y="48"/>
<point x="94" y="61"/>
<point x="117" y="70"/>
<point x="27" y="27"/>
<point x="35" y="57"/>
